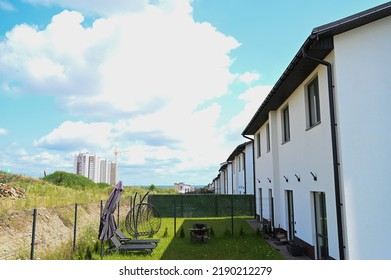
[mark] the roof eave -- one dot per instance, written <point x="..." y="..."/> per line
<point x="319" y="44"/>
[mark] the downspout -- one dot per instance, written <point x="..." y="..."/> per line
<point x="252" y="141"/>
<point x="336" y="163"/>
<point x="232" y="177"/>
<point x="224" y="183"/>
<point x="245" y="171"/>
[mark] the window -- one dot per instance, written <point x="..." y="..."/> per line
<point x="313" y="103"/>
<point x="258" y="142"/>
<point x="321" y="225"/>
<point x="286" y="135"/>
<point x="267" y="138"/>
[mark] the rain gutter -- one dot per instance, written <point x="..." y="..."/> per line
<point x="252" y="141"/>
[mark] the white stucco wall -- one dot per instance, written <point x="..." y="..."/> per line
<point x="363" y="90"/>
<point x="264" y="171"/>
<point x="309" y="150"/>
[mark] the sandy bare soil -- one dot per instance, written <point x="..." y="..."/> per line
<point x="53" y="228"/>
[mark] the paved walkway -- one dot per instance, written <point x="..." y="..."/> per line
<point x="281" y="248"/>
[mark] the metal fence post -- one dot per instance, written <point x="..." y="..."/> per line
<point x="33" y="234"/>
<point x="182" y="206"/>
<point x="216" y="206"/>
<point x="174" y="216"/>
<point x="75" y="229"/>
<point x="232" y="214"/>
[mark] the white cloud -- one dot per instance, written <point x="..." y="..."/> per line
<point x="137" y="78"/>
<point x="96" y="7"/>
<point x="6" y="6"/>
<point x="3" y="131"/>
<point x="180" y="140"/>
<point x="43" y="159"/>
<point x="249" y="77"/>
<point x="123" y="62"/>
<point x="253" y="98"/>
<point x="77" y="135"/>
<point x="21" y="161"/>
<point x="52" y="61"/>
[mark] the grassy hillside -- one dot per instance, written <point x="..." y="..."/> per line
<point x="19" y="192"/>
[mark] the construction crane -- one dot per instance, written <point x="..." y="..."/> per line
<point x="116" y="152"/>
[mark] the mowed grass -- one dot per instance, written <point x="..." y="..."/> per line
<point x="245" y="244"/>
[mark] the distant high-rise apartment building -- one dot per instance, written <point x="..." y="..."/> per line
<point x="97" y="169"/>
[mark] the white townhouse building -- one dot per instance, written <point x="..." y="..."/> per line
<point x="241" y="175"/>
<point x="214" y="186"/>
<point x="236" y="174"/>
<point x="322" y="141"/>
<point x="220" y="182"/>
<point x="225" y="178"/>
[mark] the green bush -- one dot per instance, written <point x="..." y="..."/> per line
<point x="152" y="188"/>
<point x="69" y="180"/>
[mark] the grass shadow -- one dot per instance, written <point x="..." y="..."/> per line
<point x="243" y="244"/>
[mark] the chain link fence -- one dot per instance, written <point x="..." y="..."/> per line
<point x="31" y="234"/>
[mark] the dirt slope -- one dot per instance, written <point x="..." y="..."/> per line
<point x="53" y="228"/>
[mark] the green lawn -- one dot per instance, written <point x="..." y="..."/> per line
<point x="245" y="244"/>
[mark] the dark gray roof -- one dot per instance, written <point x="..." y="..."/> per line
<point x="319" y="44"/>
<point x="240" y="148"/>
<point x="223" y="166"/>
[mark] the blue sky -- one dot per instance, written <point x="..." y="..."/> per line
<point x="171" y="83"/>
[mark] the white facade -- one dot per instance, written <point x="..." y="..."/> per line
<point x="327" y="183"/>
<point x="363" y="88"/>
